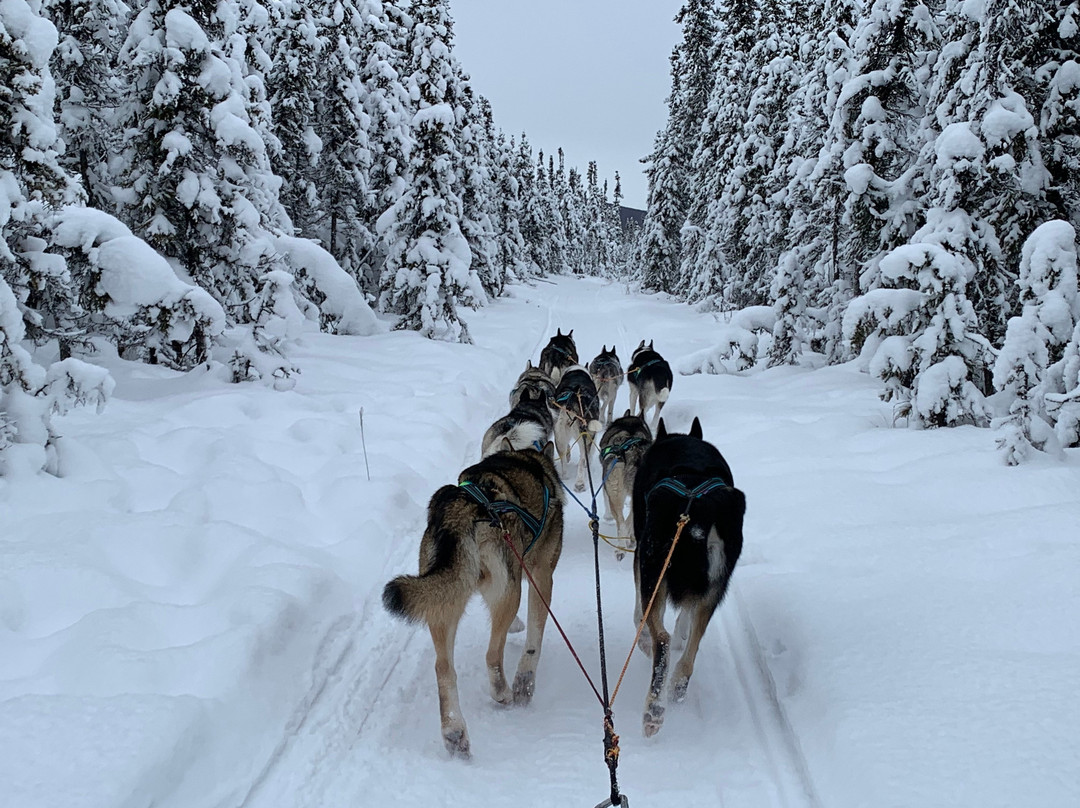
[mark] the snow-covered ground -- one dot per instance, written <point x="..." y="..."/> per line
<point x="190" y="616"/>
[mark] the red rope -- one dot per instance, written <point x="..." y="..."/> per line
<point x="554" y="619"/>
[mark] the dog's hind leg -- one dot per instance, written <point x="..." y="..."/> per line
<point x="634" y="393"/>
<point x="525" y="679"/>
<point x="561" y="440"/>
<point x="653" y="718"/>
<point x="700" y="613"/>
<point x="503" y="612"/>
<point x="584" y="442"/>
<point x="454" y="732"/>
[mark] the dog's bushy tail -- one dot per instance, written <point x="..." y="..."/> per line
<point x="663" y="395"/>
<point x="447" y="583"/>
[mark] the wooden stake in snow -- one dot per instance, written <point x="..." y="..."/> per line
<point x="363" y="442"/>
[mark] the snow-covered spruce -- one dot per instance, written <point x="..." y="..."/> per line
<point x="132" y="296"/>
<point x="1032" y="366"/>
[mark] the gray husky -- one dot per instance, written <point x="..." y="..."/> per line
<point x="649" y="377"/>
<point x="577" y="410"/>
<point x="532" y="378"/>
<point x="463" y="551"/>
<point x="529" y="422"/>
<point x="621" y="449"/>
<point x="607" y="375"/>
<point x="559" y="354"/>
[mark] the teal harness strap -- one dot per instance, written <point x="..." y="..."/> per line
<point x="562" y="399"/>
<point x="500" y="506"/>
<point x="619" y="450"/>
<point x="671" y="484"/>
<point x="637" y="371"/>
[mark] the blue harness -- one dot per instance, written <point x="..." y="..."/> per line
<point x="691" y="494"/>
<point x="620" y="450"/>
<point x="500" y="506"/>
<point x="637" y="371"/>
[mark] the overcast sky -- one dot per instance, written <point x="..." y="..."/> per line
<point x="588" y="75"/>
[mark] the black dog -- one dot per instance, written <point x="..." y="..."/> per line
<point x="683" y="474"/>
<point x="559" y="354"/>
<point x="649" y="377"/>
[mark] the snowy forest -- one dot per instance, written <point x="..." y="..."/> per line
<point x="183" y="181"/>
<point x="892" y="180"/>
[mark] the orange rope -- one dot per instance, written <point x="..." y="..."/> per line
<point x="678" y="532"/>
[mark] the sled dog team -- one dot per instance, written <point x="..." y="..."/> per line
<point x="508" y="509"/>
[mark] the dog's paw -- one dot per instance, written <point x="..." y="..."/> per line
<point x="457" y="742"/>
<point x="516" y="627"/>
<point x="502" y="695"/>
<point x="653" y="719"/>
<point x="524" y="685"/>
<point x="678" y="690"/>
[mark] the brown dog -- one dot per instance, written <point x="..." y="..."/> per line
<point x="464" y="551"/>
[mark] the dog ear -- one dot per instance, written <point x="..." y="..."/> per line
<point x="650" y="345"/>
<point x="570" y="333"/>
<point x="661" y="431"/>
<point x="626" y="414"/>
<point x="528" y="364"/>
<point x="506" y="445"/>
<point x="641" y="345"/>
<point x="695" y="429"/>
<point x="549" y="451"/>
<point x="558" y="331"/>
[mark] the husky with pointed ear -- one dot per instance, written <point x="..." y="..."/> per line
<point x="534" y="379"/>
<point x="464" y="551"/>
<point x="649" y="377"/>
<point x="621" y="449"/>
<point x="607" y="374"/>
<point x="529" y="422"/>
<point x="682" y="474"/>
<point x="559" y="354"/>
<point x="577" y="413"/>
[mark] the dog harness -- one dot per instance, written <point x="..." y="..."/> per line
<point x="620" y="450"/>
<point x="691" y="494"/>
<point x="500" y="506"/>
<point x="637" y="371"/>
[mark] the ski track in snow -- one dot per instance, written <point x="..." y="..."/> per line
<point x="377" y="700"/>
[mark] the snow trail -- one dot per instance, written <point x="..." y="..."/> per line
<point x="375" y="731"/>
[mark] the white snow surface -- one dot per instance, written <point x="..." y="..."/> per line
<point x="190" y="615"/>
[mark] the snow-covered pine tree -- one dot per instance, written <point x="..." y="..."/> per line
<point x="428" y="267"/>
<point x="661" y="245"/>
<point x="572" y="213"/>
<point x="295" y="91"/>
<point x="1031" y="367"/>
<point x="478" y="190"/>
<point x="878" y="116"/>
<point x="535" y="230"/>
<point x="343" y="176"/>
<point x="276" y="322"/>
<point x="31" y="182"/>
<point x="806" y="189"/>
<point x="703" y="267"/>
<point x="89" y="89"/>
<point x="197" y="177"/>
<point x="670" y="170"/>
<point x="511" y="253"/>
<point x="1059" y="114"/>
<point x="748" y="227"/>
